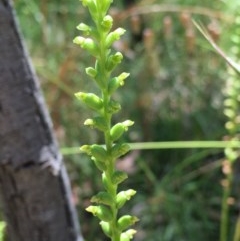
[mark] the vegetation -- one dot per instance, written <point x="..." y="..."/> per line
<point x="176" y="90"/>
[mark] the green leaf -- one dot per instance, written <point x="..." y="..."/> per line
<point x="120" y="149"/>
<point x="118" y="177"/>
<point x="113" y="107"/>
<point x="103" y="198"/>
<point x="99" y="164"/>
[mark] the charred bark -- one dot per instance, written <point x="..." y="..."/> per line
<point x="34" y="186"/>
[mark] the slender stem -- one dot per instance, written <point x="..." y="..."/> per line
<point x="225" y="206"/>
<point x="111" y="165"/>
<point x="237" y="230"/>
<point x="110" y="170"/>
<point x="108" y="119"/>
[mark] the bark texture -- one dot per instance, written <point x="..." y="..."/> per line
<point x="34" y="186"/>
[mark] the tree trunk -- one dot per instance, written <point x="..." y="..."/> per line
<point x="34" y="186"/>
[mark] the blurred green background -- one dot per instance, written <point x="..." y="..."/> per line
<point x="174" y="93"/>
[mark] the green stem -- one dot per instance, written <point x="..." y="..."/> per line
<point x="113" y="192"/>
<point x="108" y="142"/>
<point x="237" y="230"/>
<point x="225" y="206"/>
<point x="111" y="166"/>
<point x="115" y="233"/>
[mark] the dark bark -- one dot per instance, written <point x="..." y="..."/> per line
<point x="34" y="186"/>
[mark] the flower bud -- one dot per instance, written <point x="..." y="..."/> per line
<point x="233" y="92"/>
<point x="229" y="113"/>
<point x="103" y="198"/>
<point x="128" y="235"/>
<point x="86" y="43"/>
<point x="102" y="212"/>
<point x="86" y="149"/>
<point x="114" y="36"/>
<point x="91" y="100"/>
<point x="113" y="85"/>
<point x="84" y="28"/>
<point x="106" y="228"/>
<point x="97" y="122"/>
<point x="99" y="153"/>
<point x="107" y="23"/>
<point x="231" y="154"/>
<point x="120" y="150"/>
<point x="116" y="82"/>
<point x="125" y="221"/>
<point x="127" y="123"/>
<point x="89" y="122"/>
<point x="113" y="61"/>
<point x="91" y="72"/>
<point x="117" y="57"/>
<point x="124" y="196"/>
<point x="230" y="103"/>
<point x="122" y="77"/>
<point x="118" y="129"/>
<point x="118" y="177"/>
<point x="230" y="126"/>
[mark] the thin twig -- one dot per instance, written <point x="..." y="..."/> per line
<point x="158" y="8"/>
<point x="230" y="62"/>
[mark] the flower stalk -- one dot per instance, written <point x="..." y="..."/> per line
<point x="97" y="40"/>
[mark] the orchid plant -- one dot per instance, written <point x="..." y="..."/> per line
<point x="98" y="39"/>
